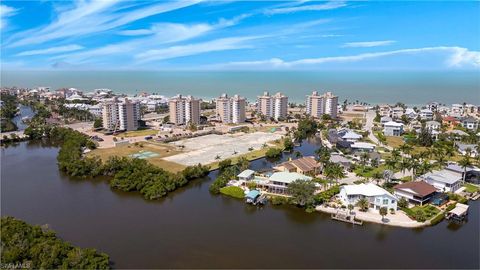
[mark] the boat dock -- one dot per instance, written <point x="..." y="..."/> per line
<point x="346" y="217"/>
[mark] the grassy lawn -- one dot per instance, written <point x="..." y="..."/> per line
<point x="136" y="133"/>
<point x="394" y="141"/>
<point x="422" y="213"/>
<point x="471" y="188"/>
<point x="233" y="191"/>
<point x="125" y="150"/>
<point x="369" y="171"/>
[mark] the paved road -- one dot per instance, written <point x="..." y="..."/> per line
<point x="369" y="116"/>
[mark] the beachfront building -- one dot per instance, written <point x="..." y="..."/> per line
<point x="376" y="196"/>
<point x="318" y="105"/>
<point x="443" y="180"/>
<point x="418" y="192"/>
<point x="230" y="109"/>
<point x="275" y="106"/>
<point x="184" y="110"/>
<point x="305" y="165"/>
<point x="392" y="129"/>
<point x="426" y="114"/>
<point x="120" y="115"/>
<point x="278" y="182"/>
<point x="470" y="123"/>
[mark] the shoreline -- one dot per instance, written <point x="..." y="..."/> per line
<point x="368" y="217"/>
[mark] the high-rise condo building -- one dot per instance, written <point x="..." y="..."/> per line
<point x="230" y="109"/>
<point x="275" y="106"/>
<point x="120" y="115"/>
<point x="184" y="110"/>
<point x="318" y="105"/>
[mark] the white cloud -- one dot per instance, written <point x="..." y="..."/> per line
<point x="5" y="12"/>
<point x="368" y="44"/>
<point x="194" y="49"/>
<point x="95" y="16"/>
<point x="52" y="50"/>
<point x="451" y="57"/>
<point x="325" y="6"/>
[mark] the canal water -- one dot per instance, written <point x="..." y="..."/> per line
<point x="194" y="229"/>
<point x="24" y="111"/>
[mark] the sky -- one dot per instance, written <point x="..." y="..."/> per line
<point x="240" y="35"/>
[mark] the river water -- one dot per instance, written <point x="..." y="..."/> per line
<point x="193" y="229"/>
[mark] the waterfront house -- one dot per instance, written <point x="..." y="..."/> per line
<point x="246" y="175"/>
<point x="426" y="114"/>
<point x="410" y="113"/>
<point x="450" y="121"/>
<point x="472" y="174"/>
<point x="362" y="146"/>
<point x="470" y="122"/>
<point x="278" y="182"/>
<point x="418" y="192"/>
<point x="376" y="196"/>
<point x="341" y="160"/>
<point x="305" y="165"/>
<point x="396" y="112"/>
<point x="432" y="126"/>
<point x="351" y="136"/>
<point x="463" y="149"/>
<point x="443" y="180"/>
<point x="392" y="129"/>
<point x="385" y="119"/>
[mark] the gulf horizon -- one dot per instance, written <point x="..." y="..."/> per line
<point x="374" y="87"/>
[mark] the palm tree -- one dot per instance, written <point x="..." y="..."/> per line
<point x="396" y="155"/>
<point x="391" y="163"/>
<point x="464" y="163"/>
<point x="383" y="212"/>
<point x="363" y="204"/>
<point x="334" y="172"/>
<point x="405" y="148"/>
<point x="404" y="165"/>
<point x="350" y="208"/>
<point x="364" y="158"/>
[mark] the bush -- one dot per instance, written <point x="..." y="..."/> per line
<point x="326" y="195"/>
<point x="402" y="203"/>
<point x="22" y="242"/>
<point x="437" y="219"/>
<point x="450" y="207"/>
<point x="233" y="191"/>
<point x="279" y="200"/>
<point x="273" y="153"/>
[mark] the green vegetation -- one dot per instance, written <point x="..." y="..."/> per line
<point x="98" y="123"/>
<point x="279" y="200"/>
<point x="288" y="144"/>
<point x="306" y="127"/>
<point x="421" y="213"/>
<point x="455" y="197"/>
<point x="302" y="192"/>
<point x="326" y="195"/>
<point x="8" y="112"/>
<point x="402" y="203"/>
<point x="363" y="204"/>
<point x="233" y="191"/>
<point x="471" y="188"/>
<point x="227" y="174"/>
<point x="128" y="174"/>
<point x="273" y="152"/>
<point x="42" y="249"/>
<point x="437" y="219"/>
<point x="383" y="212"/>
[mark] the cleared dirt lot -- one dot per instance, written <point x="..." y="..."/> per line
<point x="206" y="149"/>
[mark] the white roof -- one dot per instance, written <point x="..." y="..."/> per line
<point x="458" y="132"/>
<point x="460" y="209"/>
<point x="443" y="176"/>
<point x="363" y="145"/>
<point x="351" y="135"/>
<point x="410" y="111"/>
<point x="246" y="173"/>
<point x="426" y="111"/>
<point x="368" y="190"/>
<point x="393" y="124"/>
<point x="288" y="177"/>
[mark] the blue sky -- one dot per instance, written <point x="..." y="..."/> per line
<point x="246" y="35"/>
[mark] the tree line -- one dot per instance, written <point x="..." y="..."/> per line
<point x="39" y="248"/>
<point x="8" y="112"/>
<point x="126" y="174"/>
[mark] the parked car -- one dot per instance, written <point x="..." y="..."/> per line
<point x="148" y="137"/>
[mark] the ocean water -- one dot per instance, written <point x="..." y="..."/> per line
<point x="410" y="87"/>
